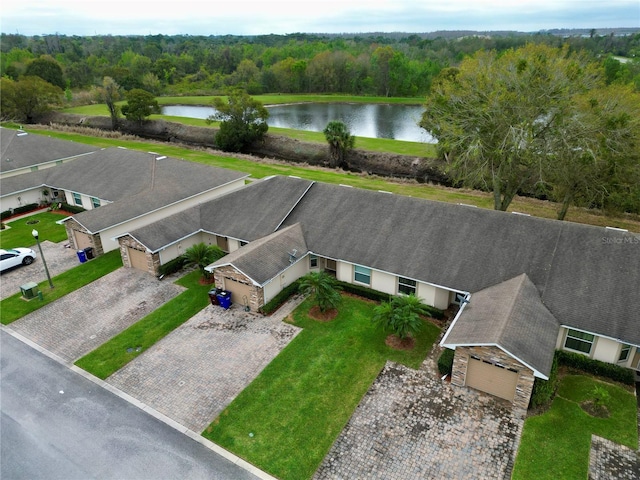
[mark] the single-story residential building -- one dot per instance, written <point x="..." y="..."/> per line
<point x="21" y="152"/>
<point x="120" y="190"/>
<point x="526" y="285"/>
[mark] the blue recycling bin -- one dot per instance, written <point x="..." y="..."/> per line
<point x="224" y="298"/>
<point x="82" y="256"/>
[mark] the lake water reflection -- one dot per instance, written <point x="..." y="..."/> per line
<point x="399" y="122"/>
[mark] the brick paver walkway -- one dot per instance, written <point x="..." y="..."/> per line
<point x="79" y="322"/>
<point x="413" y="425"/>
<point x="610" y="461"/>
<point x="198" y="369"/>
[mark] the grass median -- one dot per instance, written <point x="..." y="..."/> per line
<point x="128" y="344"/>
<point x="286" y="420"/>
<point x="556" y="444"/>
<point x="16" y="307"/>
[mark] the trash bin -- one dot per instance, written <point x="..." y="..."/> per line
<point x="224" y="297"/>
<point x="89" y="253"/>
<point x="213" y="296"/>
<point x="82" y="256"/>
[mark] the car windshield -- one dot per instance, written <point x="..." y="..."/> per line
<point x="11" y="250"/>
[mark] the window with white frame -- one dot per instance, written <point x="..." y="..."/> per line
<point x="77" y="199"/>
<point x="313" y="261"/>
<point x="579" y="341"/>
<point x="95" y="202"/>
<point x="362" y="275"/>
<point x="624" y="353"/>
<point x="406" y="286"/>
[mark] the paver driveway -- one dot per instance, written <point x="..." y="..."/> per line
<point x="77" y="323"/>
<point x="411" y="424"/>
<point x="199" y="368"/>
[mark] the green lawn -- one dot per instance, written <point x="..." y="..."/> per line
<point x="302" y="400"/>
<point x="556" y="444"/>
<point x="19" y="233"/>
<point x="127" y="345"/>
<point x="15" y="307"/>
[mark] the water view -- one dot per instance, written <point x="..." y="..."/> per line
<point x="398" y="122"/>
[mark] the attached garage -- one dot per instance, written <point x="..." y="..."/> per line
<point x="492" y="378"/>
<point x="82" y="240"/>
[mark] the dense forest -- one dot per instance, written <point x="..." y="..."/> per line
<point x="368" y="64"/>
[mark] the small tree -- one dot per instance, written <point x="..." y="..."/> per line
<point x="243" y="121"/>
<point x="202" y="255"/>
<point x="110" y="94"/>
<point x="140" y="104"/>
<point x="323" y="288"/>
<point x="400" y="316"/>
<point x="340" y="141"/>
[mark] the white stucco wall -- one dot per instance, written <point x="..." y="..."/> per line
<point x="180" y="247"/>
<point x="28" y="196"/>
<point x="344" y="272"/>
<point x="286" y="278"/>
<point x="384" y="282"/>
<point x="606" y="350"/>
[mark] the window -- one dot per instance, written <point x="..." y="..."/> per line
<point x="406" y="286"/>
<point x="579" y="341"/>
<point x="95" y="202"/>
<point x="362" y="275"/>
<point x="624" y="353"/>
<point x="77" y="199"/>
<point x="313" y="261"/>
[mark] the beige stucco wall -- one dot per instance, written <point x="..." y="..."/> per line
<point x="29" y="196"/>
<point x="384" y="282"/>
<point x="233" y="245"/>
<point x="606" y="350"/>
<point x="434" y="296"/>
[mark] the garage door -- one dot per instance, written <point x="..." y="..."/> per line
<point x="138" y="259"/>
<point x="238" y="290"/>
<point x="491" y="378"/>
<point x="82" y="240"/>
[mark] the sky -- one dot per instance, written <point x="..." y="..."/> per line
<point x="261" y="17"/>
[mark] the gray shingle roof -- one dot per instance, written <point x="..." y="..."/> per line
<point x="20" y="150"/>
<point x="265" y="258"/>
<point x="246" y="214"/>
<point x="511" y="316"/>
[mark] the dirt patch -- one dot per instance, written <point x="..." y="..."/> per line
<point x="398" y="343"/>
<point x="327" y="316"/>
<point x="595" y="410"/>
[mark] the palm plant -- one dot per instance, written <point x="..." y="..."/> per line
<point x="340" y="141"/>
<point x="400" y="316"/>
<point x="323" y="289"/>
<point x="202" y="255"/>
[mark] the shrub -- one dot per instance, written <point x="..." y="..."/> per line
<point x="596" y="367"/>
<point x="71" y="208"/>
<point x="172" y="266"/>
<point x="5" y="214"/>
<point x="544" y="390"/>
<point x="280" y="298"/>
<point x="29" y="207"/>
<point x="445" y="361"/>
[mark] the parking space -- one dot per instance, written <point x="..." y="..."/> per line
<point x="58" y="257"/>
<point x="411" y="424"/>
<point x="197" y="370"/>
<point x="77" y="323"/>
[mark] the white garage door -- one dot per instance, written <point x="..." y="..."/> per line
<point x="491" y="378"/>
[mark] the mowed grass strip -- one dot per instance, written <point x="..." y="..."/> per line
<point x="135" y="340"/>
<point x="286" y="420"/>
<point x="557" y="443"/>
<point x="14" y="307"/>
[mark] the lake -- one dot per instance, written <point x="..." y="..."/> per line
<point x="398" y="122"/>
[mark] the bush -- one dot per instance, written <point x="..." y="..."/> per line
<point x="172" y="266"/>
<point x="29" y="207"/>
<point x="279" y="299"/>
<point x="445" y="361"/>
<point x="596" y="367"/>
<point x="6" y="214"/>
<point x="544" y="390"/>
<point x="71" y="208"/>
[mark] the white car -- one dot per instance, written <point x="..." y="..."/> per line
<point x="16" y="256"/>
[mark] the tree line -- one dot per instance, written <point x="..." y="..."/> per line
<point x="376" y="64"/>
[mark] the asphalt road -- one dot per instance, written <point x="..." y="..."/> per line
<point x="56" y="424"/>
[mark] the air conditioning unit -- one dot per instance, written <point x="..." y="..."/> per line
<point x="29" y="290"/>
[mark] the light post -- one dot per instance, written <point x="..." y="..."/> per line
<point x="34" y="232"/>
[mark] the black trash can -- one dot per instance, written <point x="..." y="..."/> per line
<point x="89" y="253"/>
<point x="213" y="296"/>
